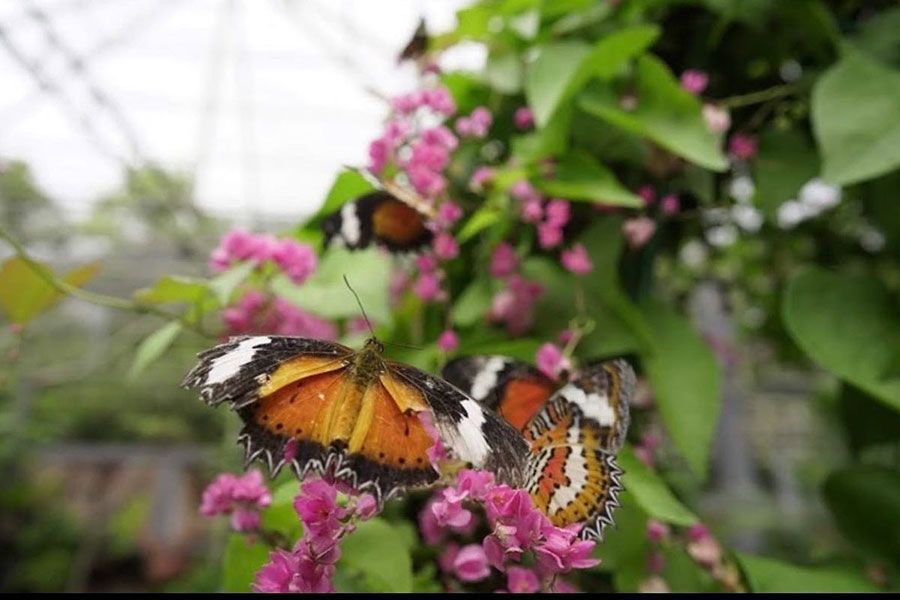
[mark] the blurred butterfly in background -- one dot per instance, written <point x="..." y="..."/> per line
<point x="353" y="416"/>
<point x="391" y="217"/>
<point x="574" y="429"/>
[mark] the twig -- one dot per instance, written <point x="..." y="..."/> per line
<point x="765" y="95"/>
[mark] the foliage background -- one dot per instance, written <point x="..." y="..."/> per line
<point x="772" y="361"/>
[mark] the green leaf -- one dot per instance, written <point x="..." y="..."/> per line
<point x="848" y="324"/>
<point x="473" y="303"/>
<point x="785" y="162"/>
<point x="548" y="77"/>
<point x="173" y="288"/>
<point x="325" y="293"/>
<point x="684" y="376"/>
<point x="481" y="219"/>
<point x="348" y="185"/>
<point x="651" y="493"/>
<point x="24" y="294"/>
<point x="504" y="72"/>
<point x="879" y="36"/>
<point x="562" y="68"/>
<point x="665" y="113"/>
<point x="242" y="561"/>
<point x="626" y="543"/>
<point x="153" y="346"/>
<point x="224" y="284"/>
<point x="866" y="421"/>
<point x="767" y="575"/>
<point x="280" y="515"/>
<point x="865" y="502"/>
<point x="579" y="177"/>
<point x="856" y="119"/>
<point x="381" y="557"/>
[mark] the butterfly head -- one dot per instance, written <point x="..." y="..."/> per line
<point x="373" y="345"/>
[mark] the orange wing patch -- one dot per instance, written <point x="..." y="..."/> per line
<point x="297" y="369"/>
<point x="302" y="409"/>
<point x="521" y="400"/>
<point x="398" y="223"/>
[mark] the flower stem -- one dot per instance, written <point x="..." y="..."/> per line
<point x="765" y="95"/>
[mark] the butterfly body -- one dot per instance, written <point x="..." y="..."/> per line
<point x="350" y="415"/>
<point x="379" y="217"/>
<point x="574" y="430"/>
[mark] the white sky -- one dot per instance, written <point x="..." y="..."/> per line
<point x="267" y="124"/>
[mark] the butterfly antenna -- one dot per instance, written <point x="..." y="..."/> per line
<point x="359" y="302"/>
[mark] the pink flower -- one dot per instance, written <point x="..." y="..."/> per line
<point x="241" y="497"/>
<point x="244" y="519"/>
<point x="432" y="531"/>
<point x="236" y="245"/>
<point x="504" y="260"/>
<point x="449" y="512"/>
<point x="445" y="246"/>
<point x="694" y="81"/>
<point x="670" y="204"/>
<point x="437" y="454"/>
<point x="558" y="212"/>
<point x="426" y="181"/>
<point x="449" y="213"/>
<point x="440" y="136"/>
<point x="550" y="360"/>
<point x="480" y="177"/>
<point x="514" y="305"/>
<point x="240" y="318"/>
<point x="644" y="455"/>
<point x="317" y="507"/>
<point x="481" y="119"/>
<point x="426" y="262"/>
<point x="576" y="260"/>
<point x="647" y="194"/>
<point x="366" y="507"/>
<point x="380" y="151"/>
<point x="742" y="146"/>
<point x="562" y="551"/>
<point x="638" y="231"/>
<point x="717" y="119"/>
<point x="532" y="209"/>
<point x="408" y="103"/>
<point x="427" y="287"/>
<point x="656" y="531"/>
<point x="656" y="562"/>
<point x="523" y="190"/>
<point x="698" y="532"/>
<point x="471" y="563"/>
<point x="565" y="336"/>
<point x="520" y="580"/>
<point x="290" y="450"/>
<point x="524" y="118"/>
<point x="440" y="101"/>
<point x="297" y="260"/>
<point x="464" y="127"/>
<point x="549" y="235"/>
<point x="429" y="156"/>
<point x="279" y="575"/>
<point x="448" y="341"/>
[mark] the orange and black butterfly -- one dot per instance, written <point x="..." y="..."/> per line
<point x="353" y="416"/>
<point x="380" y="217"/>
<point x="574" y="429"/>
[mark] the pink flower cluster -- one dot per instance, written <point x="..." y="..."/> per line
<point x="480" y="178"/>
<point x="476" y="125"/>
<point x="742" y="146"/>
<point x="422" y="154"/>
<point x="298" y="261"/>
<point x="257" y="313"/>
<point x="241" y="497"/>
<point x="524" y="118"/>
<point x="694" y="81"/>
<point x="309" y="567"/>
<point x="514" y="306"/>
<point x="551" y="361"/>
<point x="550" y="218"/>
<point x="516" y="528"/>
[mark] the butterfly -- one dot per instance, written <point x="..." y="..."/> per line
<point x="417" y="45"/>
<point x="391" y="217"/>
<point x="353" y="416"/>
<point x="574" y="429"/>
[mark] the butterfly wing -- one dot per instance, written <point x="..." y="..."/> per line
<point x="470" y="432"/>
<point x="513" y="389"/>
<point x="573" y="476"/>
<point x="378" y="217"/>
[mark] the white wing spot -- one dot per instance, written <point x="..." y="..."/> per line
<point x="466" y="438"/>
<point x="227" y="366"/>
<point x="486" y="378"/>
<point x="594" y="406"/>
<point x="350" y="227"/>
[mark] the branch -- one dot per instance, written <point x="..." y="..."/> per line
<point x="115" y="302"/>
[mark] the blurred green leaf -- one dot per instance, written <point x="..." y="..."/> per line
<point x="379" y="556"/>
<point x="242" y="561"/>
<point x="224" y="284"/>
<point x="325" y="293"/>
<point x="481" y="219"/>
<point x="879" y="36"/>
<point x="547" y="78"/>
<point x="153" y="346"/>
<point x="651" y="493"/>
<point x="579" y="176"/>
<point x="786" y="161"/>
<point x="684" y="377"/>
<point x="767" y="575"/>
<point x="472" y="304"/>
<point x="665" y="113"/>
<point x="24" y="294"/>
<point x="626" y="542"/>
<point x="280" y="515"/>
<point x="850" y="325"/>
<point x="683" y="574"/>
<point x="348" y="185"/>
<point x="856" y="119"/>
<point x="867" y="421"/>
<point x="504" y="72"/>
<point x="173" y="288"/>
<point x="865" y="502"/>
